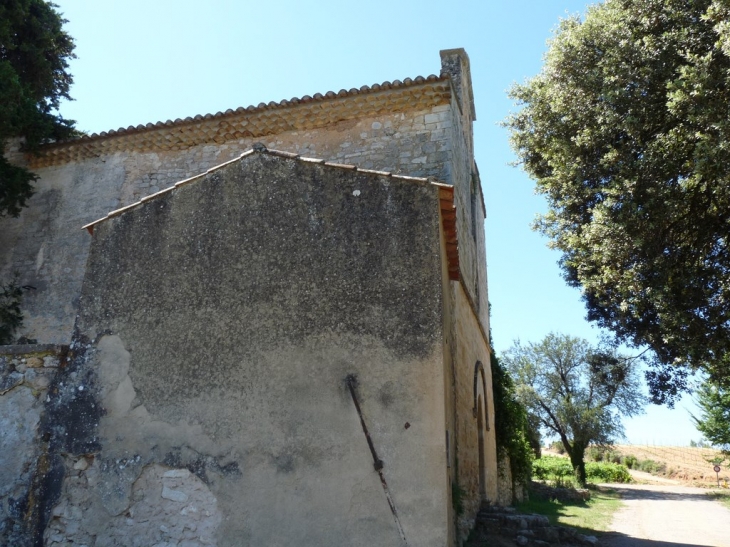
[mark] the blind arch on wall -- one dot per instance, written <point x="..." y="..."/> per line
<point x="480" y="386"/>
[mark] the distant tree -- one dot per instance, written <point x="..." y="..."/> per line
<point x="626" y="132"/>
<point x="34" y="54"/>
<point x="714" y="419"/>
<point x="578" y="392"/>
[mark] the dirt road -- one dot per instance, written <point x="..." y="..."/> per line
<point x="668" y="515"/>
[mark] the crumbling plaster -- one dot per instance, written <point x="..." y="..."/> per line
<point x="215" y="356"/>
<point x="26" y="373"/>
<point x="163" y="378"/>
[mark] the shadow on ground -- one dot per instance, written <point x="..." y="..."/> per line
<point x="614" y="539"/>
<point x="643" y="494"/>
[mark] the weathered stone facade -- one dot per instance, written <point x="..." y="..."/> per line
<point x="26" y="373"/>
<point x="229" y="319"/>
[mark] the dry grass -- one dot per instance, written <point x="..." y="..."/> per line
<point x="684" y="463"/>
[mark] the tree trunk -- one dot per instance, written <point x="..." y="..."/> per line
<point x="579" y="466"/>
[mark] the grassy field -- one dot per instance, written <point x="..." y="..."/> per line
<point x="589" y="517"/>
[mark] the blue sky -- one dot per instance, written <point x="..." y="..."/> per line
<point x="145" y="61"/>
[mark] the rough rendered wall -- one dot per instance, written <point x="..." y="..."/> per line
<point x="26" y="372"/>
<point x="48" y="248"/>
<point x="218" y="325"/>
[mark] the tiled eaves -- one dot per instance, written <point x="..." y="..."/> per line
<point x="448" y="223"/>
<point x="446" y="197"/>
<point x="296" y="114"/>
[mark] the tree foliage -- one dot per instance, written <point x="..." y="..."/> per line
<point x="626" y="131"/>
<point x="577" y="391"/>
<point x="714" y="420"/>
<point x="514" y="434"/>
<point x="34" y="54"/>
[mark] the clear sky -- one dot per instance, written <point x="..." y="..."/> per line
<point x="145" y="61"/>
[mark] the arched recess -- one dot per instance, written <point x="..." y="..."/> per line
<point x="482" y="416"/>
<point x="480" y="386"/>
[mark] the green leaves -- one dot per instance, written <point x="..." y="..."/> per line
<point x="577" y="391"/>
<point x="714" y="421"/>
<point x="626" y="132"/>
<point x="515" y="435"/>
<point x="34" y="54"/>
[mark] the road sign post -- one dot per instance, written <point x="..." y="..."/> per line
<point x="717" y="472"/>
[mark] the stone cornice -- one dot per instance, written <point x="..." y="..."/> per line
<point x="297" y="114"/>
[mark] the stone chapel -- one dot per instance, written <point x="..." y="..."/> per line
<point x="266" y="326"/>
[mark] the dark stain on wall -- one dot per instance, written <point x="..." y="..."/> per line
<point x="264" y="253"/>
<point x="68" y="426"/>
<point x="200" y="465"/>
<point x="71" y="419"/>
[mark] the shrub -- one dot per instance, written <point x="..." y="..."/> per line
<point x="552" y="468"/>
<point x="603" y="454"/>
<point x="607" y="472"/>
<point x="560" y="471"/>
<point x="630" y="461"/>
<point x="513" y="431"/>
<point x="650" y="466"/>
<point x="594" y="453"/>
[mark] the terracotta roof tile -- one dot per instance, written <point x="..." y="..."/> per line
<point x="193" y="130"/>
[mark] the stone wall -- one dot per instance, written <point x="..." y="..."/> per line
<point x="505" y="490"/>
<point x="427" y="137"/>
<point x="470" y="350"/>
<point x="26" y="372"/>
<point x="218" y="334"/>
<point x="48" y="248"/>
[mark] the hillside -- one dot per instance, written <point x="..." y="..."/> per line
<point x="688" y="464"/>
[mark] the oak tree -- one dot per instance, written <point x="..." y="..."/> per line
<point x="626" y="131"/>
<point x="34" y="55"/>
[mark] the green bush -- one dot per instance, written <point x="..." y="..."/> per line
<point x="632" y="462"/>
<point x="512" y="424"/>
<point x="560" y="471"/>
<point x="603" y="454"/>
<point x="650" y="466"/>
<point x="607" y="472"/>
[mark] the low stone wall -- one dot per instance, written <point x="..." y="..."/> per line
<point x="26" y="374"/>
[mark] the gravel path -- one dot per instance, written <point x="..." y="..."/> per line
<point x="668" y="515"/>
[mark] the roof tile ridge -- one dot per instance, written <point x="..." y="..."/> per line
<point x="284" y="103"/>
